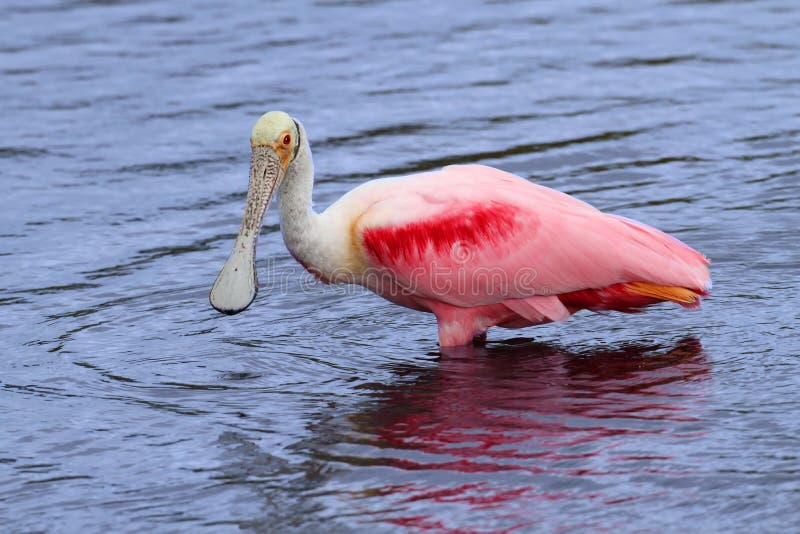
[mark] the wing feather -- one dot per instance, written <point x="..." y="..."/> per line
<point x="472" y="235"/>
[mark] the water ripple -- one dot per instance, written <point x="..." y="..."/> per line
<point x="126" y="400"/>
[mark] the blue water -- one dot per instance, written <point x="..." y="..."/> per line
<point x="128" y="404"/>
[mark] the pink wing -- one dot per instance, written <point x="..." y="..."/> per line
<point x="473" y="235"/>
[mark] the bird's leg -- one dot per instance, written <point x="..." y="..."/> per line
<point x="456" y="326"/>
<point x="459" y="327"/>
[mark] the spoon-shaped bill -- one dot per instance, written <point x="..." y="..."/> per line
<point x="237" y="284"/>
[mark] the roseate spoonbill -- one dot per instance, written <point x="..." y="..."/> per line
<point x="475" y="246"/>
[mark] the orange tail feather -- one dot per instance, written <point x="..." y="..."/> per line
<point x="681" y="295"/>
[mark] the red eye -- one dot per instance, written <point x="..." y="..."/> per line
<point x="287" y="139"/>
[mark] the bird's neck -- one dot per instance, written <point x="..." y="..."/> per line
<point x="300" y="225"/>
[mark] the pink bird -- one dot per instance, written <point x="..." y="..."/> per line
<point x="475" y="246"/>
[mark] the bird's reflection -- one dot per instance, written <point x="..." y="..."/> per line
<point x="516" y="422"/>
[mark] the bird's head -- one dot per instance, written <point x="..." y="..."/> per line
<point x="275" y="141"/>
<point x="275" y="135"/>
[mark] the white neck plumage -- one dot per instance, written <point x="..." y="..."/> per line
<point x="300" y="225"/>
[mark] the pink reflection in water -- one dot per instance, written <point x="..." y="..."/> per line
<point x="521" y="425"/>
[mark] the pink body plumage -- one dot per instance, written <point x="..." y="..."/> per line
<point x="480" y="247"/>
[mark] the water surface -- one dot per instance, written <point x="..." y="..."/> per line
<point x="127" y="403"/>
